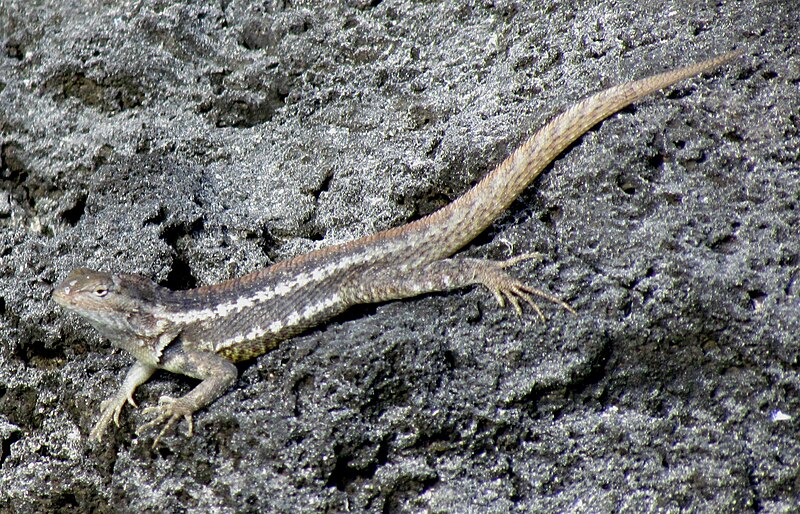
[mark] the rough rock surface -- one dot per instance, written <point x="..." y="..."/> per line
<point x="193" y="142"/>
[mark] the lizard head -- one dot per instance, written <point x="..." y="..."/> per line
<point x="86" y="291"/>
<point x="122" y="307"/>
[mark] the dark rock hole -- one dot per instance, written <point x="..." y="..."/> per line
<point x="74" y="214"/>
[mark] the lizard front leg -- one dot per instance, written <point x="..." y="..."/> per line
<point x="216" y="373"/>
<point x="110" y="408"/>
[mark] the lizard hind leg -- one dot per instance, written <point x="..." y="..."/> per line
<point x="453" y="273"/>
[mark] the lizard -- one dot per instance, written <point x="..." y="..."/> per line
<point x="202" y="332"/>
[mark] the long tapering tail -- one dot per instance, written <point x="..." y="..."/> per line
<point x="445" y="231"/>
<point x="442" y="233"/>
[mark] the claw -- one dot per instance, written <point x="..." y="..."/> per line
<point x="116" y="415"/>
<point x="501" y="300"/>
<point x="109" y="411"/>
<point x="514" y="301"/>
<point x="520" y="258"/>
<point x="507" y="289"/>
<point x="523" y="293"/>
<point x="168" y="412"/>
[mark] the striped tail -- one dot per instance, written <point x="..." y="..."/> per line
<point x="445" y="231"/>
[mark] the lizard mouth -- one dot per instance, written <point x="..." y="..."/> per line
<point x="59" y="296"/>
<point x="61" y="293"/>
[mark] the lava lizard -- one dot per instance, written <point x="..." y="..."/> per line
<point x="201" y="332"/>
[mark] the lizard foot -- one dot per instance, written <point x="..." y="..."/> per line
<point x="109" y="411"/>
<point x="168" y="412"/>
<point x="508" y="289"/>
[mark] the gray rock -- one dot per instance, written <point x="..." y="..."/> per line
<point x="194" y="143"/>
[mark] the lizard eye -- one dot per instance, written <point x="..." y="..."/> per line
<point x="100" y="292"/>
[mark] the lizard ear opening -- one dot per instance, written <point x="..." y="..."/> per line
<point x="101" y="292"/>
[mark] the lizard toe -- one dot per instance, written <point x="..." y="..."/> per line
<point x="168" y="413"/>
